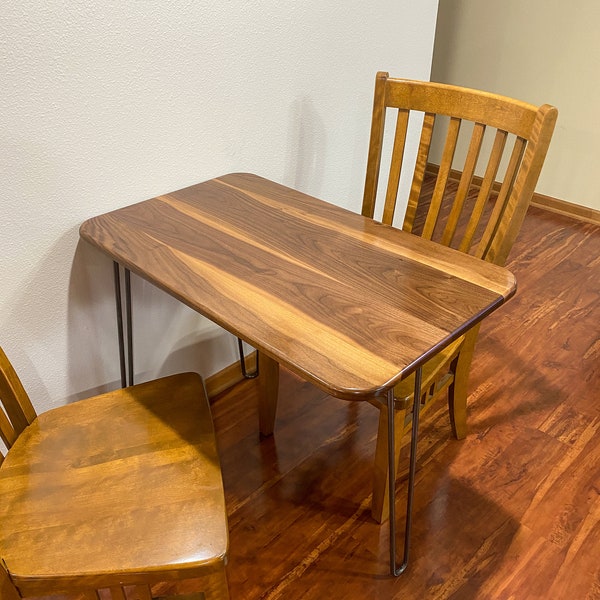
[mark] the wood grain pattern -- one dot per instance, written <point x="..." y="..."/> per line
<point x="350" y="304"/>
<point x="121" y="488"/>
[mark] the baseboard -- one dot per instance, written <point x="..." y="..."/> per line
<point x="568" y="209"/>
<point x="228" y="377"/>
<point x="555" y="205"/>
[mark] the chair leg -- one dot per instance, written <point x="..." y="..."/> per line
<point x="217" y="588"/>
<point x="380" y="509"/>
<point x="457" y="392"/>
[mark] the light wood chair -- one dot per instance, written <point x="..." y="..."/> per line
<point x="476" y="205"/>
<point x="108" y="496"/>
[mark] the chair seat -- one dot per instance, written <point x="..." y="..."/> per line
<point x="125" y="486"/>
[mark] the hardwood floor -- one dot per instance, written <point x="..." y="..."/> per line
<point x="511" y="512"/>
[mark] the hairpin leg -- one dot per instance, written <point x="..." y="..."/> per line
<point x="243" y="362"/>
<point x="120" y="323"/>
<point x="394" y="568"/>
<point x="129" y="324"/>
<point x="118" y="300"/>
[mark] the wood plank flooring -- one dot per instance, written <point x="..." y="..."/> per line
<point x="511" y="512"/>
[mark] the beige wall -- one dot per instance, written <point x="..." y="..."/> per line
<point x="107" y="103"/>
<point x="538" y="51"/>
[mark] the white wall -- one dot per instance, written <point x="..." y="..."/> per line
<point x="540" y="52"/>
<point x="107" y="103"/>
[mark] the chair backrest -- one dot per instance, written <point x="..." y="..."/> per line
<point x="479" y="214"/>
<point x="7" y="590"/>
<point x="16" y="410"/>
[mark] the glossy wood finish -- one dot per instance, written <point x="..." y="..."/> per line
<point x="478" y="215"/>
<point x="347" y="303"/>
<point x="124" y="488"/>
<point x="510" y="512"/>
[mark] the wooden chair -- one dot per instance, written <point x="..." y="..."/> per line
<point x="464" y="206"/>
<point x="108" y="496"/>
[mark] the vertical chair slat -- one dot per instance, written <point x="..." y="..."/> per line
<point x="395" y="166"/>
<point x="16" y="402"/>
<point x="442" y="178"/>
<point x="419" y="173"/>
<point x="7" y="431"/>
<point x="375" y="146"/>
<point x="503" y="197"/>
<point x="489" y="178"/>
<point x="465" y="183"/>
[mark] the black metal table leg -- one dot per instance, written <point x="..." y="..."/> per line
<point x="394" y="568"/>
<point x="128" y="312"/>
<point x="245" y="373"/>
<point x="118" y="299"/>
<point x="121" y="325"/>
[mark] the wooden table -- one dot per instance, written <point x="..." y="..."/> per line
<point x="345" y="302"/>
